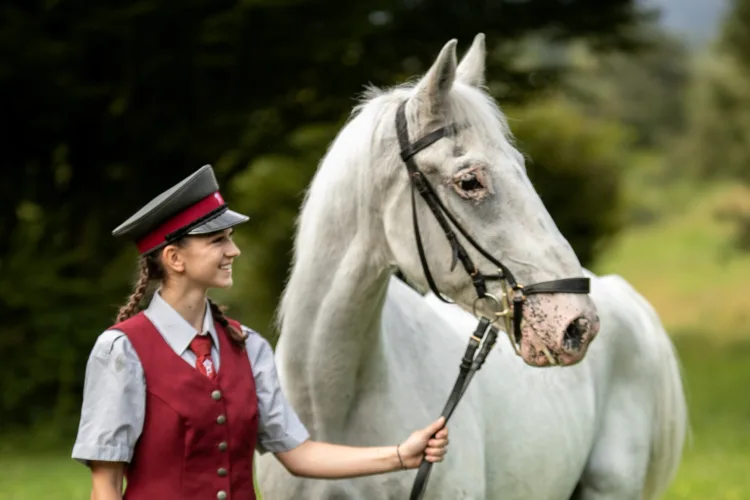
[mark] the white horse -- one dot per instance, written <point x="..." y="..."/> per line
<point x="365" y="359"/>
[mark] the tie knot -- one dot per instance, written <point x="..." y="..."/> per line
<point x="201" y="345"/>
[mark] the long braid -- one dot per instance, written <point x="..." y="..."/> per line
<point x="238" y="337"/>
<point x="141" y="285"/>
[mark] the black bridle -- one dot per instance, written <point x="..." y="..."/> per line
<point x="510" y="304"/>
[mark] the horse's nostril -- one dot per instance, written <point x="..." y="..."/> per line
<point x="574" y="333"/>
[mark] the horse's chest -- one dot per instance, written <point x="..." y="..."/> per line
<point x="537" y="440"/>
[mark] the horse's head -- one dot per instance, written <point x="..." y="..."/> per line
<point x="480" y="179"/>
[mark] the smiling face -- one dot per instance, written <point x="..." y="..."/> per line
<point x="203" y="261"/>
<point x="481" y="179"/>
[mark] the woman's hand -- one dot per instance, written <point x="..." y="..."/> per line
<point x="421" y="445"/>
<point x="334" y="461"/>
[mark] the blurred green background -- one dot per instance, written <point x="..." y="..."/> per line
<point x="634" y="117"/>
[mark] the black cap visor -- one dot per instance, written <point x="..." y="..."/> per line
<point x="225" y="220"/>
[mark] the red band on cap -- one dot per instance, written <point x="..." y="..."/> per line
<point x="182" y="219"/>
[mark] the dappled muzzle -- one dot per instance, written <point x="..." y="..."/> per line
<point x="557" y="329"/>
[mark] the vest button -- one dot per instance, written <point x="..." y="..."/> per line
<point x="221" y="419"/>
<point x="216" y="395"/>
<point x="221" y="495"/>
<point x="223" y="446"/>
<point x="221" y="471"/>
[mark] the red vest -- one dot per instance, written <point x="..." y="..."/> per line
<point x="199" y="434"/>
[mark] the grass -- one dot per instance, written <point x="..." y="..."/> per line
<point x="686" y="268"/>
<point x="48" y="476"/>
<point x="682" y="266"/>
<point x="717" y="457"/>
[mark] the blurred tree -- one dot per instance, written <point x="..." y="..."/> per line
<point x="716" y="144"/>
<point x="108" y="104"/>
<point x="735" y="34"/>
<point x="717" y="140"/>
<point x="643" y="89"/>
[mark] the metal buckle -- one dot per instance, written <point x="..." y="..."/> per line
<point x="497" y="309"/>
<point x="502" y="308"/>
<point x="509" y="330"/>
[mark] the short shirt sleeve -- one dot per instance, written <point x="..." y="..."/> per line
<point x="279" y="428"/>
<point x="114" y="401"/>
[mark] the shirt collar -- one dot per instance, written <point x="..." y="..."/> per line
<point x="177" y="332"/>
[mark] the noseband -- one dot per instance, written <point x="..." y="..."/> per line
<point x="513" y="295"/>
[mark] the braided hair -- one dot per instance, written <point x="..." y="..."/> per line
<point x="149" y="269"/>
<point x="217" y="311"/>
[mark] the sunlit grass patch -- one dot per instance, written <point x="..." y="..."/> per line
<point x="685" y="267"/>
<point x="716" y="463"/>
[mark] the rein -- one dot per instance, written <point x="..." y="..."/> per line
<point x="510" y="304"/>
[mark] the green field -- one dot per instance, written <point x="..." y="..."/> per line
<point x="682" y="265"/>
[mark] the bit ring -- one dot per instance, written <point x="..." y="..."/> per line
<point x="496" y="308"/>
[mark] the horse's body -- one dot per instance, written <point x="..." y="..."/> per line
<point x="366" y="360"/>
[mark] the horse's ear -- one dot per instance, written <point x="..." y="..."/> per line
<point x="471" y="69"/>
<point x="432" y="90"/>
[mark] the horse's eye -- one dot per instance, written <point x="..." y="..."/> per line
<point x="469" y="182"/>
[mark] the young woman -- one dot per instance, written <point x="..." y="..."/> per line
<point x="177" y="396"/>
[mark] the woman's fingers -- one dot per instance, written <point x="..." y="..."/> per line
<point x="435" y="454"/>
<point x="437" y="443"/>
<point x="437" y="446"/>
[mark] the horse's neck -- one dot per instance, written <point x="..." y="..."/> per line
<point x="331" y="321"/>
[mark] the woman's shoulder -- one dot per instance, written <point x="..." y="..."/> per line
<point x="113" y="346"/>
<point x="254" y="337"/>
<point x="257" y="346"/>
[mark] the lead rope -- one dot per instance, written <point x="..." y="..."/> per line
<point x="470" y="364"/>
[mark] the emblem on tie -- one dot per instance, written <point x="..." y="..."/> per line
<point x="209" y="366"/>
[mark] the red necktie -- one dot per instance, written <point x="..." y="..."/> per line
<point x="201" y="346"/>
